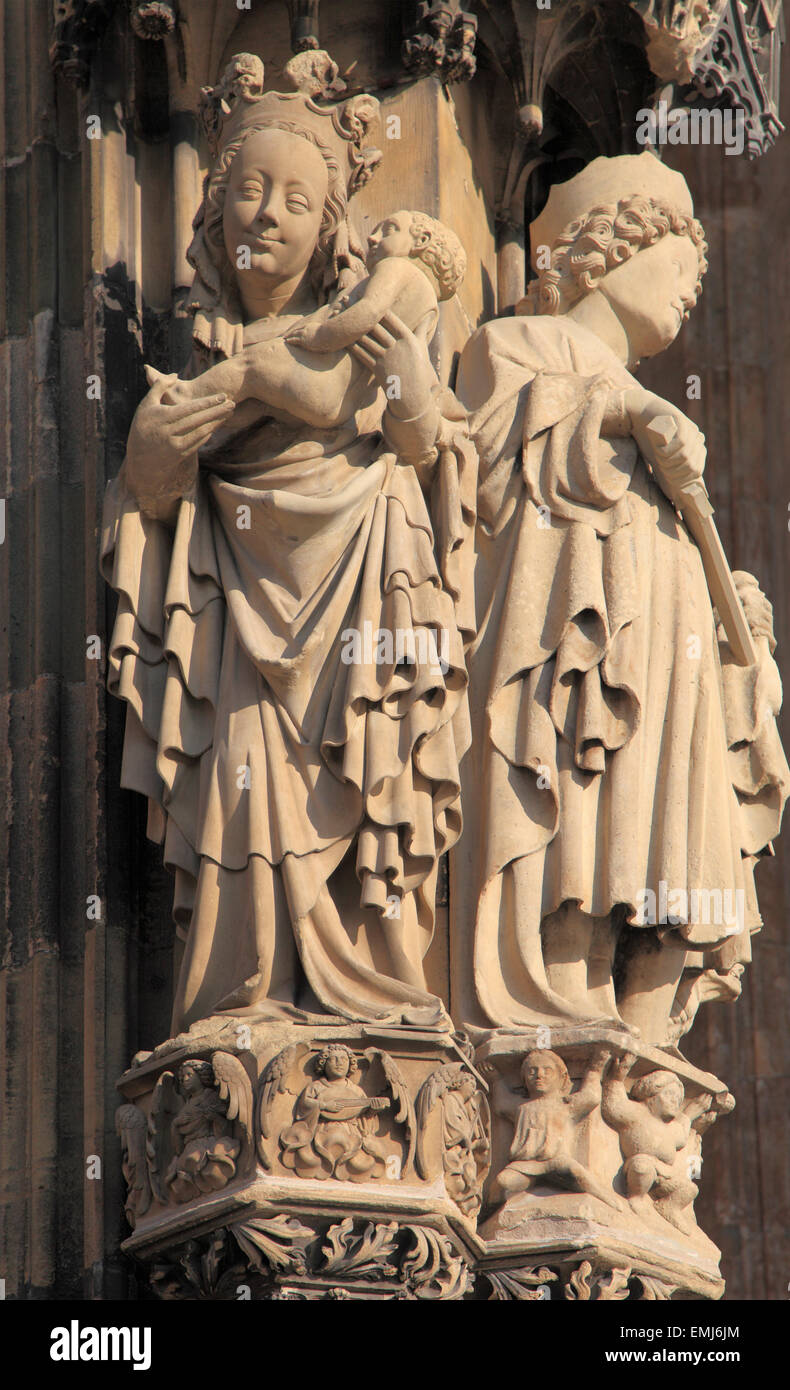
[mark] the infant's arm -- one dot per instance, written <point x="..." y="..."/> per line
<point x="377" y="294"/>
<point x="617" y="1108"/>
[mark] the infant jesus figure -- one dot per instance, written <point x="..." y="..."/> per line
<point x="413" y="262"/>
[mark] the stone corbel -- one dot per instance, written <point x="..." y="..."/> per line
<point x="303" y="20"/>
<point x="676" y="33"/>
<point x="441" y="41"/>
<point x="78" y="28"/>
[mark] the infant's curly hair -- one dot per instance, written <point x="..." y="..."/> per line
<point x="589" y="247"/>
<point x="654" y="1082"/>
<point x="440" y="250"/>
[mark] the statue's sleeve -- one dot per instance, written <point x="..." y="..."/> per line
<point x="164" y="656"/>
<point x="540" y="401"/>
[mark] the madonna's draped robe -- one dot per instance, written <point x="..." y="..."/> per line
<point x="294" y="793"/>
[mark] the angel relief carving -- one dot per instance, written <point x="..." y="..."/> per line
<point x="195" y="1139"/>
<point x="199" y="1130"/>
<point x="334" y="1129"/>
<point x="453" y="1121"/>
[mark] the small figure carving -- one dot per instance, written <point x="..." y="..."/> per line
<point x="153" y="21"/>
<point x="191" y="1124"/>
<point x="131" y="1127"/>
<point x="335" y="1130"/>
<point x="542" y="1148"/>
<point x="654" y="1124"/>
<point x="274" y="1082"/>
<point x="453" y="1120"/>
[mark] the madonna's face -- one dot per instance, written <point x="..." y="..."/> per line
<point x="652" y="292"/>
<point x="273" y="206"/>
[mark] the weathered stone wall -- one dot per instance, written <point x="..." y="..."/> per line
<point x="738" y="342"/>
<point x="77" y="994"/>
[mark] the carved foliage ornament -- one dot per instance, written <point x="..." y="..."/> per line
<point x="727" y="50"/>
<point x="281" y="1258"/>
<point x="676" y="32"/>
<point x="579" y="1284"/>
<point x="453" y="1124"/>
<point x="442" y="41"/>
<point x="153" y="19"/>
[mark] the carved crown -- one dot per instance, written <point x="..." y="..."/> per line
<point x="238" y="104"/>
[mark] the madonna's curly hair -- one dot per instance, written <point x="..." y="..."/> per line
<point x="440" y="250"/>
<point x="603" y="239"/>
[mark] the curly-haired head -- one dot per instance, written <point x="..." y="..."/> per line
<point x="607" y="236"/>
<point x="439" y="250"/>
<point x="655" y="1081"/>
<point x="334" y="1050"/>
<point x="203" y="1070"/>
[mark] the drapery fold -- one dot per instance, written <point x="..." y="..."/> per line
<point x="601" y="766"/>
<point x="261" y="741"/>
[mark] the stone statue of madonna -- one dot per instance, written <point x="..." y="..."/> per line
<point x="302" y="800"/>
<point x="624" y="774"/>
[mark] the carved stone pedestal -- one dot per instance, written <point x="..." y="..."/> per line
<point x="313" y="1160"/>
<point x="304" y="1161"/>
<point x="596" y="1145"/>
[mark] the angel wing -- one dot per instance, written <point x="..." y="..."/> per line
<point x="483" y="1135"/>
<point x="429" y="1143"/>
<point x="404" y="1114"/>
<point x="131" y="1126"/>
<point x="165" y="1104"/>
<point x="234" y="1088"/>
<point x="273" y="1084"/>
